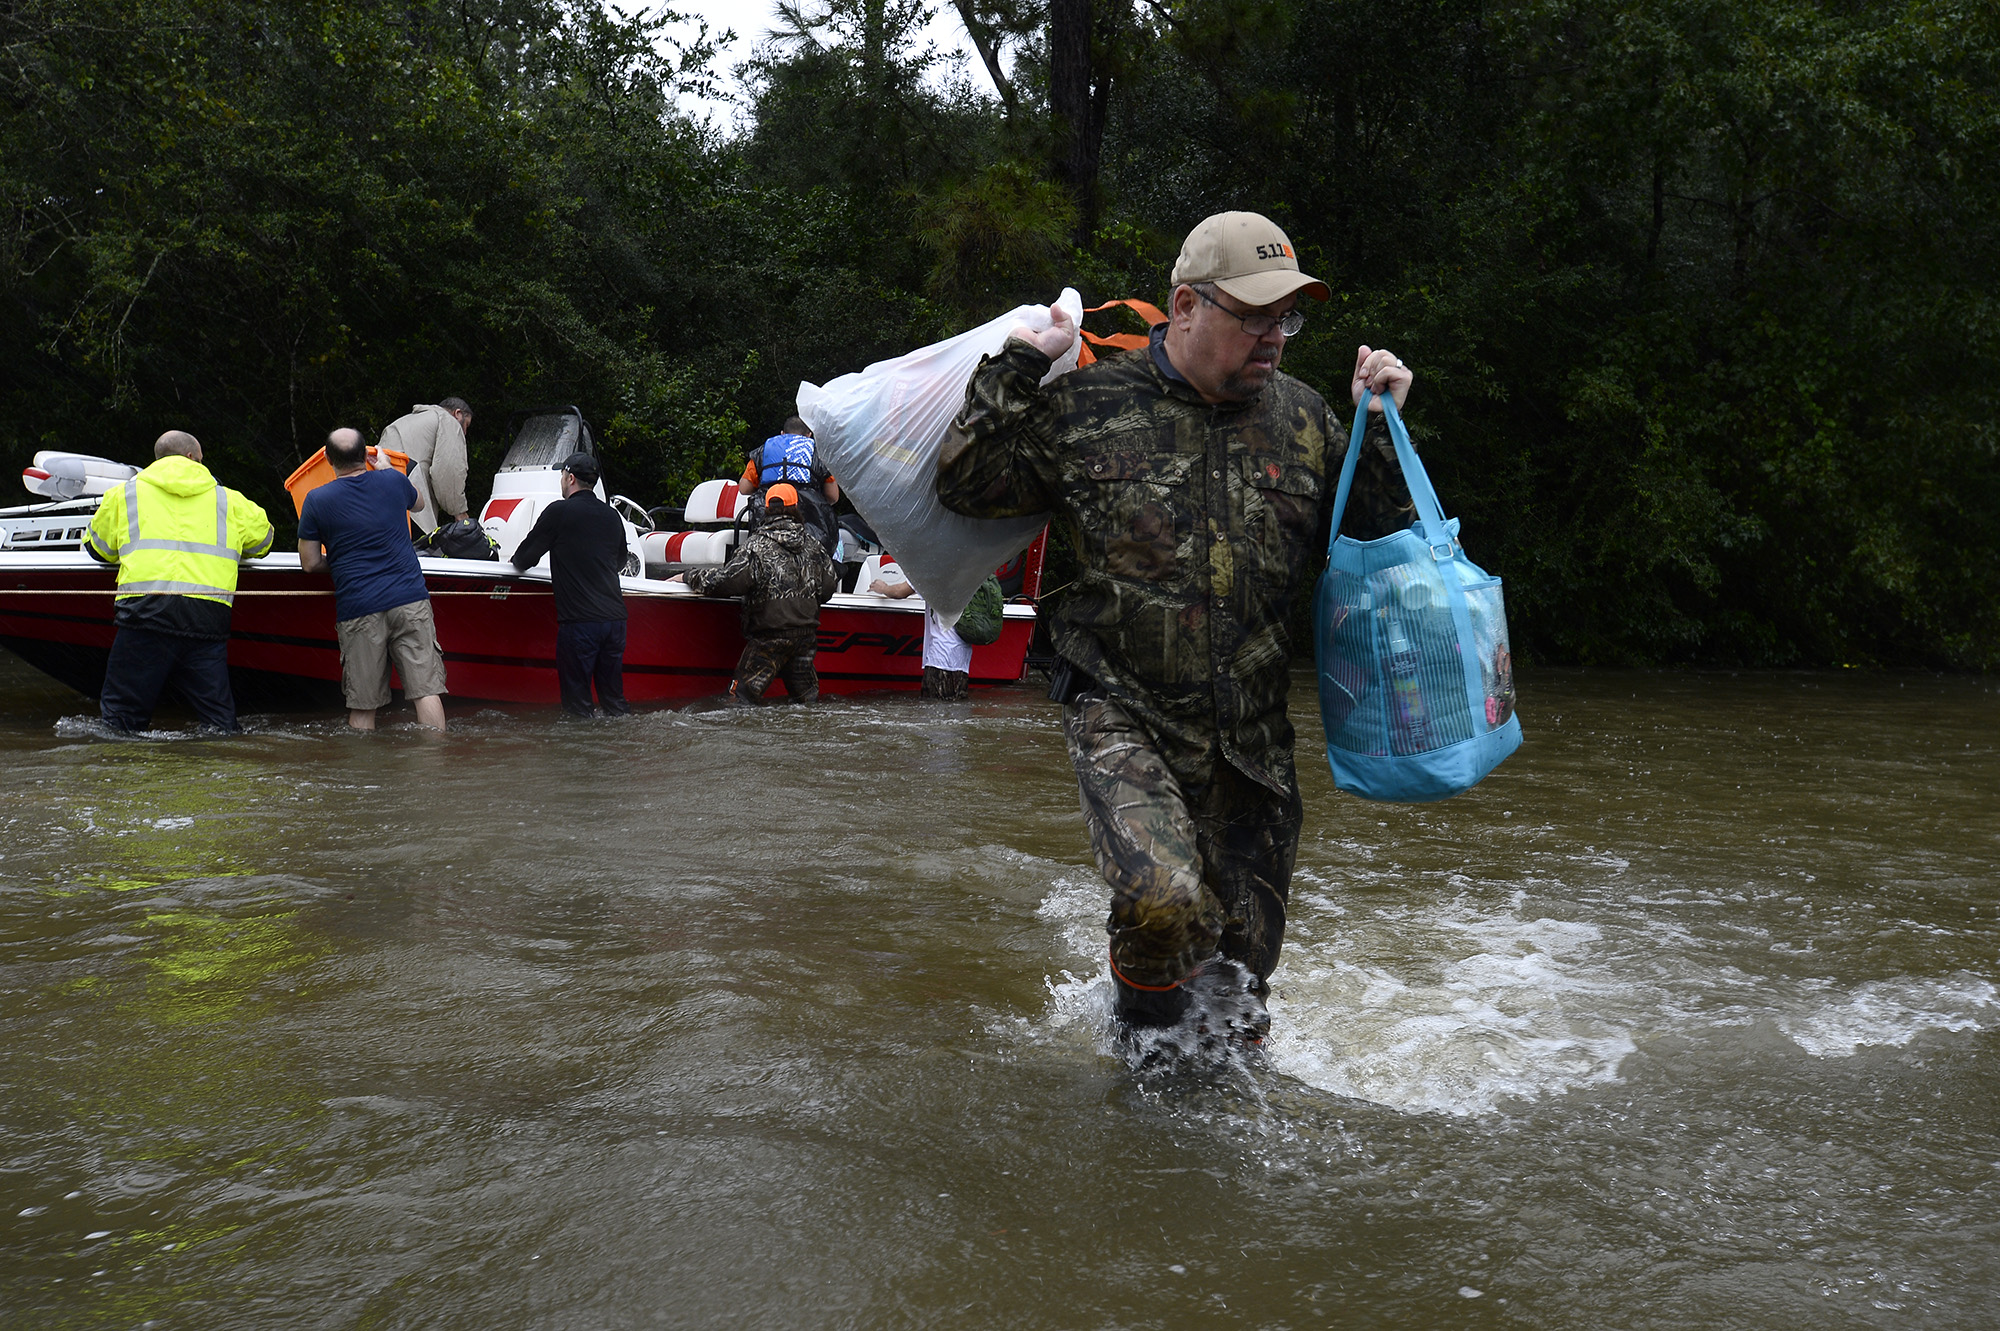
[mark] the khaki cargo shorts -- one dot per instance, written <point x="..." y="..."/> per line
<point x="405" y="635"/>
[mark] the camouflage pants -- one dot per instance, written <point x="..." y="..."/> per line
<point x="786" y="656"/>
<point x="1193" y="869"/>
<point x="945" y="685"/>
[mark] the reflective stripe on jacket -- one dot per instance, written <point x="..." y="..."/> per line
<point x="173" y="531"/>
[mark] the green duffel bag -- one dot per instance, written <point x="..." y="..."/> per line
<point x="983" y="619"/>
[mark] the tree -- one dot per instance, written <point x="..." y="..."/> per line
<point x="1699" y="292"/>
<point x="254" y="221"/>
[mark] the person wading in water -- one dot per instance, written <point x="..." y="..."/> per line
<point x="1192" y="476"/>
<point x="783" y="575"/>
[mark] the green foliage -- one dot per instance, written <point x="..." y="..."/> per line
<point x="257" y="222"/>
<point x="1000" y="239"/>
<point x="1700" y="294"/>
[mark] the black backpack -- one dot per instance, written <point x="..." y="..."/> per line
<point x="462" y="539"/>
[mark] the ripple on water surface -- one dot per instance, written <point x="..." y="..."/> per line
<point x="1686" y="1018"/>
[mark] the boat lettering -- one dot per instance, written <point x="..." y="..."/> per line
<point x="889" y="644"/>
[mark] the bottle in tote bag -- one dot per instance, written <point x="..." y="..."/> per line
<point x="1416" y="679"/>
<point x="1413" y="734"/>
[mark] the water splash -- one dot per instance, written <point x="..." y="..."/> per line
<point x="1201" y="1042"/>
<point x="1465" y="1005"/>
<point x="1893" y="1012"/>
<point x="90" y="727"/>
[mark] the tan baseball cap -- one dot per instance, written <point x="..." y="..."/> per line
<point x="1248" y="256"/>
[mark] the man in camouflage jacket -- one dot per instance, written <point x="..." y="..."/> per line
<point x="783" y="575"/>
<point x="1196" y="483"/>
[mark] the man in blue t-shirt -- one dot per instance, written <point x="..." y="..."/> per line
<point x="381" y="608"/>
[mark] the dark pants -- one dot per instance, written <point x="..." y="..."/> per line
<point x="144" y="664"/>
<point x="590" y="650"/>
<point x="1193" y="869"/>
<point x="787" y="656"/>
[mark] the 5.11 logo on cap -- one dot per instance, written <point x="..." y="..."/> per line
<point x="1274" y="252"/>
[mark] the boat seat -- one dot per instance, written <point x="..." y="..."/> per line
<point x="57" y="475"/>
<point x="878" y="568"/>
<point x="715" y="501"/>
<point x="687" y="547"/>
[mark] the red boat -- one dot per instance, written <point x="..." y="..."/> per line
<point x="497" y="626"/>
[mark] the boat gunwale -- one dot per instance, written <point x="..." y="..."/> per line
<point x="468" y="570"/>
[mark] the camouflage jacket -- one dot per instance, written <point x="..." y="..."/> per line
<point x="782" y="573"/>
<point x="1195" y="526"/>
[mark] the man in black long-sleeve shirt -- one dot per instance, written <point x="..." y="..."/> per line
<point x="585" y="543"/>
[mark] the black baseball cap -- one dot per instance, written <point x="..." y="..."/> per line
<point x="582" y="466"/>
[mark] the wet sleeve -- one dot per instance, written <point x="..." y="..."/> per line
<point x="732" y="579"/>
<point x="999" y="458"/>
<point x="448" y="468"/>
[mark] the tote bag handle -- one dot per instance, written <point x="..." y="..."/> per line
<point x="1430" y="514"/>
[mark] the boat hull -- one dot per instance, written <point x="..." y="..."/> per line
<point x="497" y="628"/>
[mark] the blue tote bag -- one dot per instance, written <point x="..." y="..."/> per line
<point x="1416" y="682"/>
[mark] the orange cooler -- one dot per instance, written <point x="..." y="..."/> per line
<point x="316" y="471"/>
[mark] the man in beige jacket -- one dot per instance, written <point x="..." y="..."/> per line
<point x="433" y="435"/>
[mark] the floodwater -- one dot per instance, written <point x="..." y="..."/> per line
<point x="1686" y="1018"/>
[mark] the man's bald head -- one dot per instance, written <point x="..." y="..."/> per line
<point x="177" y="441"/>
<point x="346" y="449"/>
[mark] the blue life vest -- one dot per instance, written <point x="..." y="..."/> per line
<point x="785" y="457"/>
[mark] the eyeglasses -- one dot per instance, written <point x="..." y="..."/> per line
<point x="1259" y="325"/>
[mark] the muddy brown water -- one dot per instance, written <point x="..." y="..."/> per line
<point x="1686" y="1018"/>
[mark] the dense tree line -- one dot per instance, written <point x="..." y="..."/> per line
<point x="1702" y="294"/>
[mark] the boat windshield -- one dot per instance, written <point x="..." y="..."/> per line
<point x="543" y="441"/>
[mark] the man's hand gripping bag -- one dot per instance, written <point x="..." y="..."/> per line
<point x="879" y="431"/>
<point x="1416" y="683"/>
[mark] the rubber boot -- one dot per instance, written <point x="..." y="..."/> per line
<point x="1149" y="1007"/>
<point x="1232" y="1001"/>
<point x="1256" y="1021"/>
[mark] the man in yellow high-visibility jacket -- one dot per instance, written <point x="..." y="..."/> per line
<point x="176" y="537"/>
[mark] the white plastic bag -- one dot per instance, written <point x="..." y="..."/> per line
<point x="879" y="433"/>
